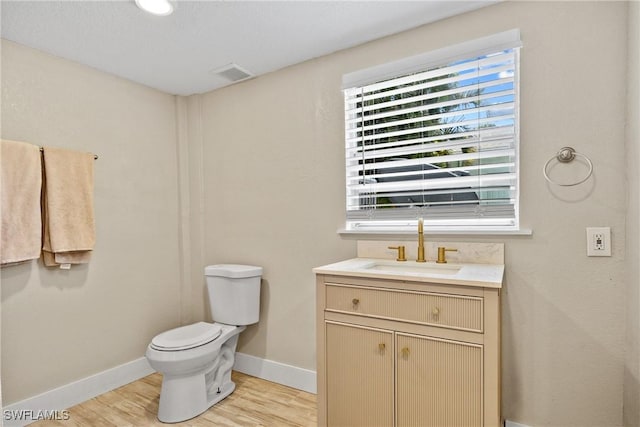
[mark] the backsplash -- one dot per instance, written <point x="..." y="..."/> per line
<point x="472" y="253"/>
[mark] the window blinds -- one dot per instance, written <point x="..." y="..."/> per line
<point x="439" y="142"/>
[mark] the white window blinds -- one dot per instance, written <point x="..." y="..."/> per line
<point x="438" y="141"/>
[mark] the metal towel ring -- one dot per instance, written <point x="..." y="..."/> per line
<point x="566" y="155"/>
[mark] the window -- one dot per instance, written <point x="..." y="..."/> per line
<point x="435" y="136"/>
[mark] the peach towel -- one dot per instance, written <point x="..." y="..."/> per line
<point x="20" y="183"/>
<point x="67" y="207"/>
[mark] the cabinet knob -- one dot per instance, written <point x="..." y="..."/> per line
<point x="405" y="352"/>
<point x="435" y="312"/>
<point x="382" y="346"/>
<point x="355" y="301"/>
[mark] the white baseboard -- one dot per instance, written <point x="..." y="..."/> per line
<point x="508" y="423"/>
<point x="292" y="376"/>
<point x="53" y="402"/>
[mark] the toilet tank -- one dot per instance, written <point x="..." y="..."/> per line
<point x="234" y="293"/>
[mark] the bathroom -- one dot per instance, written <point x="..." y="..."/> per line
<point x="183" y="182"/>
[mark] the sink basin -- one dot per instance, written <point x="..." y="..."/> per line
<point x="412" y="267"/>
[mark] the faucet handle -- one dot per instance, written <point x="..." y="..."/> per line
<point x="401" y="254"/>
<point x="442" y="257"/>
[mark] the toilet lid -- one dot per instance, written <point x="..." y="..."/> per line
<point x="186" y="337"/>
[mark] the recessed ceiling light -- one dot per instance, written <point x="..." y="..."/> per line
<point x="156" y="7"/>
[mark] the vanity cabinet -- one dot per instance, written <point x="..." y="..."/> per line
<point x="360" y="387"/>
<point x="404" y="353"/>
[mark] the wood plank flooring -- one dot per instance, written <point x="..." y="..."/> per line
<point x="255" y="402"/>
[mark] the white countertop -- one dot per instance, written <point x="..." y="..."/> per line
<point x="480" y="275"/>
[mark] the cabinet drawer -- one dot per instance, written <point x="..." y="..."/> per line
<point x="434" y="309"/>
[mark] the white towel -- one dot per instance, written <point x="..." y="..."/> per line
<point x="68" y="215"/>
<point x="21" y="182"/>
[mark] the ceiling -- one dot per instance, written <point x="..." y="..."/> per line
<point x="177" y="53"/>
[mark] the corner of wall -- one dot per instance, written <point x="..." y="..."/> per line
<point x="631" y="399"/>
<point x="191" y="170"/>
<point x="184" y="204"/>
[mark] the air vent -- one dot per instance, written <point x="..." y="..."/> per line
<point x="232" y="73"/>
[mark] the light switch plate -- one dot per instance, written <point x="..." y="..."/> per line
<point x="598" y="241"/>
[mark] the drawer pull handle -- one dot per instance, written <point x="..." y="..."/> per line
<point x="355" y="301"/>
<point x="381" y="346"/>
<point x="405" y="352"/>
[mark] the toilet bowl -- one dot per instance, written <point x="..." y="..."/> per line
<point x="196" y="360"/>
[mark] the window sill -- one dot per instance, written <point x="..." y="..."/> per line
<point x="405" y="233"/>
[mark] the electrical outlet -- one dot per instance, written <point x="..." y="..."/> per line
<point x="598" y="241"/>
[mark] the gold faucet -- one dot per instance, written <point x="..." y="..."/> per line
<point x="442" y="256"/>
<point x="421" y="241"/>
<point x="401" y="253"/>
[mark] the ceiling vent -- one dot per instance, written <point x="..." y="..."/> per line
<point x="232" y="73"/>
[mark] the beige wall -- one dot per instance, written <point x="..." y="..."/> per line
<point x="273" y="159"/>
<point x="61" y="326"/>
<point x="632" y="360"/>
<point x="274" y="196"/>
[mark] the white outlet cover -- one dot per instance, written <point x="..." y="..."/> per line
<point x="598" y="241"/>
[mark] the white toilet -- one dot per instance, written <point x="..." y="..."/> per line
<point x="196" y="360"/>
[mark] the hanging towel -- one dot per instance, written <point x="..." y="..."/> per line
<point x="20" y="185"/>
<point x="67" y="207"/>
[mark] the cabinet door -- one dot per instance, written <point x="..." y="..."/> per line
<point x="359" y="376"/>
<point x="438" y="383"/>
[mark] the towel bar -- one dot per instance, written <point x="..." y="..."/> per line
<point x="94" y="156"/>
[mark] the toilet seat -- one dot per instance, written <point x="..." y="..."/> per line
<point x="186" y="337"/>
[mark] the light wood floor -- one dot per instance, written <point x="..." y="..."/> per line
<point x="255" y="402"/>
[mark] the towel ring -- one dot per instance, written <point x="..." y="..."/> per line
<point x="566" y="155"/>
